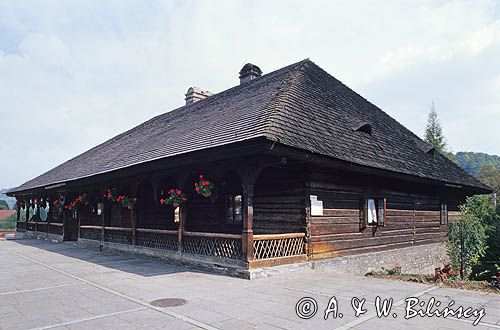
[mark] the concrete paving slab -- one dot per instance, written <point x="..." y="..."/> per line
<point x="63" y="286"/>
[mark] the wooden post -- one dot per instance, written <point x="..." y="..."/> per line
<point x="18" y="215"/>
<point x="103" y="222"/>
<point x="134" y="226"/>
<point x="182" y="225"/>
<point x="35" y="215"/>
<point x="64" y="224"/>
<point x="49" y="215"/>
<point x="247" y="233"/>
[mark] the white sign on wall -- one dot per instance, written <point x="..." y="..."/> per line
<point x="316" y="206"/>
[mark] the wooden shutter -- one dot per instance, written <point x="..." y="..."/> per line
<point x="363" y="213"/>
<point x="381" y="209"/>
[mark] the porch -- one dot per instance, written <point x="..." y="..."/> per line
<point x="256" y="216"/>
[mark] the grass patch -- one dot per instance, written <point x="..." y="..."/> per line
<point x="482" y="286"/>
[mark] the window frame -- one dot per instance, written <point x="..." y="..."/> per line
<point x="380" y="208"/>
<point x="443" y="213"/>
<point x="230" y="201"/>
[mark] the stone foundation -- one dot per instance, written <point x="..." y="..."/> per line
<point x="421" y="259"/>
<point x="229" y="267"/>
<point x="39" y="235"/>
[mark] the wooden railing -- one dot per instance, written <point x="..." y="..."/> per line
<point x="91" y="232"/>
<point x="21" y="225"/>
<point x="118" y="235"/>
<point x="157" y="239"/>
<point x="277" y="246"/>
<point x="212" y="244"/>
<point x="31" y="226"/>
<point x="41" y="227"/>
<point x="56" y="228"/>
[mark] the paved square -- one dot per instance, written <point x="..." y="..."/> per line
<point x="61" y="286"/>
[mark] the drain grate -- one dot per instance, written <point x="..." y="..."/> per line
<point x="169" y="302"/>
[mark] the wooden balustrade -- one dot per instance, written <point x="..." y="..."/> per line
<point x="212" y="244"/>
<point x="31" y="226"/>
<point x="278" y="245"/>
<point x="91" y="232"/>
<point x="56" y="228"/>
<point x="118" y="235"/>
<point x="228" y="246"/>
<point x="157" y="239"/>
<point x="41" y="227"/>
<point x="21" y="225"/>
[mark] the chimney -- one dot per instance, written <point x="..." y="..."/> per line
<point x="196" y="94"/>
<point x="249" y="72"/>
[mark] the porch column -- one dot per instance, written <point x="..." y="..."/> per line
<point x="182" y="226"/>
<point x="103" y="221"/>
<point x="247" y="234"/>
<point x="134" y="226"/>
<point x="18" y="215"/>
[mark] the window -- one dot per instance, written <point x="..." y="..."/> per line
<point x="234" y="209"/>
<point x="374" y="211"/>
<point x="97" y="209"/>
<point x="443" y="217"/>
<point x="177" y="214"/>
<point x="363" y="127"/>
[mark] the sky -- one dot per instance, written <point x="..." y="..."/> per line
<point x="76" y="73"/>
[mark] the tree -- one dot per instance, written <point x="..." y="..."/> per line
<point x="3" y="205"/>
<point x="467" y="237"/>
<point x="434" y="131"/>
<point x="490" y="176"/>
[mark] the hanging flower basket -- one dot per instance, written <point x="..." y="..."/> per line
<point x="56" y="204"/>
<point x="110" y="195"/>
<point x="175" y="198"/>
<point x="205" y="188"/>
<point x="126" y="201"/>
<point x="77" y="203"/>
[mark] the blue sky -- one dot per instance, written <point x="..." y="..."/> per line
<point x="75" y="73"/>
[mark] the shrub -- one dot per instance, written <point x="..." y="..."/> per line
<point x="10" y="223"/>
<point x="466" y="242"/>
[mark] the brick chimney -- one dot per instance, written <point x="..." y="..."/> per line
<point x="196" y="94"/>
<point x="249" y="72"/>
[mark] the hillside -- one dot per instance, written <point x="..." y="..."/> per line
<point x="10" y="200"/>
<point x="471" y="162"/>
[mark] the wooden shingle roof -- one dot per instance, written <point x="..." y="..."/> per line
<point x="300" y="106"/>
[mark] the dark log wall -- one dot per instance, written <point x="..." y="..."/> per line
<point x="279" y="201"/>
<point x="207" y="216"/>
<point x="411" y="218"/>
<point x="89" y="217"/>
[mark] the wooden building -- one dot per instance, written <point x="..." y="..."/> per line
<point x="298" y="167"/>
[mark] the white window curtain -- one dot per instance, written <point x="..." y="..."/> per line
<point x="372" y="211"/>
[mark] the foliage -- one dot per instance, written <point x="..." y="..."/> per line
<point x="467" y="238"/>
<point x="489" y="263"/>
<point x="434" y="132"/>
<point x="472" y="162"/>
<point x="3" y="205"/>
<point x="175" y="198"/>
<point x="125" y="200"/>
<point x="9" y="223"/>
<point x="77" y="203"/>
<point x="10" y="200"/>
<point x="204" y="187"/>
<point x="490" y="176"/>
<point x="395" y="270"/>
<point x="111" y="195"/>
